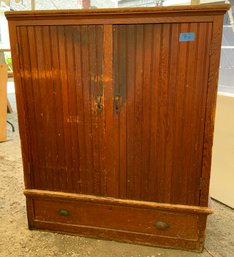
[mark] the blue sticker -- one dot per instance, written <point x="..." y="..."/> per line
<point x="187" y="37"/>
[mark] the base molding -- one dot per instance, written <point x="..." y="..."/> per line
<point x="147" y="223"/>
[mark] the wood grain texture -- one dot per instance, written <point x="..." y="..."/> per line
<point x="19" y="89"/>
<point x="210" y="107"/>
<point x="121" y="236"/>
<point x="118" y="218"/>
<point x="143" y="11"/>
<point x="122" y="221"/>
<point x="115" y="20"/>
<point x="3" y="102"/>
<point x="163" y="94"/>
<point x="43" y="194"/>
<point x="60" y="104"/>
<point x="111" y="147"/>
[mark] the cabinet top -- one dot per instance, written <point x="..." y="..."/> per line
<point x="206" y="9"/>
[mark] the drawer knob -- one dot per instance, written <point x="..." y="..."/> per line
<point x="162" y="225"/>
<point x="64" y="213"/>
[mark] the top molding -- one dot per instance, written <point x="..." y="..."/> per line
<point x="206" y="9"/>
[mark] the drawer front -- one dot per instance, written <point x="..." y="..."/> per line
<point x="131" y="219"/>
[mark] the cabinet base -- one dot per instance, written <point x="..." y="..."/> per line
<point x="147" y="223"/>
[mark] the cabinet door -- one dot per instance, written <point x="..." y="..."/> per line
<point x="160" y="86"/>
<point x="62" y="91"/>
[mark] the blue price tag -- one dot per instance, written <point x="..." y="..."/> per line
<point x="187" y="37"/>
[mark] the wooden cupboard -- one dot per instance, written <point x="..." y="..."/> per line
<point x="116" y="113"/>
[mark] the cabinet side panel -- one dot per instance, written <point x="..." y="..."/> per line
<point x="210" y="106"/>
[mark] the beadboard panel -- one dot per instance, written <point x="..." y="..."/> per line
<point x="159" y="85"/>
<point x="162" y="84"/>
<point x="61" y="73"/>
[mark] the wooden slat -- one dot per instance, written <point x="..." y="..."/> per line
<point x="100" y="118"/>
<point x="3" y="102"/>
<point x="47" y="91"/>
<point x="71" y="118"/>
<point x="172" y="101"/>
<point x="10" y="74"/>
<point x="87" y="98"/>
<point x="95" y="39"/>
<point x="131" y="57"/>
<point x="120" y="90"/>
<point x="165" y="125"/>
<point x="147" y="109"/>
<point x="25" y="95"/>
<point x="81" y="184"/>
<point x="190" y="143"/>
<point x="138" y="112"/>
<point x="34" y="194"/>
<point x="154" y="117"/>
<point x="62" y="52"/>
<point x="123" y="20"/>
<point x="110" y="175"/>
<point x="57" y="99"/>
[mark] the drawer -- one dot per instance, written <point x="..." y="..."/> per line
<point x="117" y="217"/>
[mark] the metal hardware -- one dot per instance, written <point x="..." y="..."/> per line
<point x="99" y="103"/>
<point x="117" y="103"/>
<point x="64" y="213"/>
<point x="162" y="225"/>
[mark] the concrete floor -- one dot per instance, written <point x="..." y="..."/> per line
<point x="16" y="240"/>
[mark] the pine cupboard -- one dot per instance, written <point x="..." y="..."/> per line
<point x="116" y="114"/>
